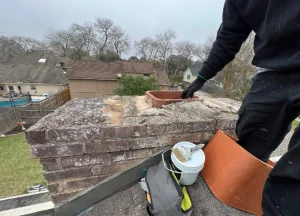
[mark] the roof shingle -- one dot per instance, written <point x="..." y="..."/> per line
<point x="26" y="69"/>
<point x="98" y="70"/>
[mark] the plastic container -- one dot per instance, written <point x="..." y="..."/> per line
<point x="191" y="168"/>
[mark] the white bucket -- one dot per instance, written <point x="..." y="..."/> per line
<point x="191" y="168"/>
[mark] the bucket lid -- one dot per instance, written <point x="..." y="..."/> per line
<point x="195" y="164"/>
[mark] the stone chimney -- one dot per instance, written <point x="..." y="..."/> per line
<point x="87" y="140"/>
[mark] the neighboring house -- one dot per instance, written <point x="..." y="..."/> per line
<point x="94" y="79"/>
<point x="190" y="74"/>
<point x="36" y="72"/>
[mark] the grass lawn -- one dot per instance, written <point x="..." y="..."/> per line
<point x="294" y="125"/>
<point x="17" y="169"/>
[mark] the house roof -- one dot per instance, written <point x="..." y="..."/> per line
<point x="132" y="201"/>
<point x="27" y="69"/>
<point x="162" y="78"/>
<point x="98" y="70"/>
<point x="196" y="68"/>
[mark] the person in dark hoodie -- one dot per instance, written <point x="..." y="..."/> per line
<point x="273" y="101"/>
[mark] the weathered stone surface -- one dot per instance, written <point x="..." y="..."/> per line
<point x="84" y="160"/>
<point x="156" y="150"/>
<point x="150" y="142"/>
<point x="83" y="183"/>
<point x="206" y="136"/>
<point x="130" y="155"/>
<point x="162" y="129"/>
<point x="107" y="146"/>
<point x="117" y="167"/>
<point x="56" y="150"/>
<point x="123" y="132"/>
<point x="59" y="176"/>
<point x="228" y="123"/>
<point x="55" y="188"/>
<point x="60" y="197"/>
<point x="96" y="170"/>
<point x="73" y="135"/>
<point x="35" y="136"/>
<point x="190" y="137"/>
<point x="50" y="164"/>
<point x="199" y="126"/>
<point x="88" y="139"/>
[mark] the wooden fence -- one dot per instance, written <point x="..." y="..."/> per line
<point x="8" y="120"/>
<point x="34" y="111"/>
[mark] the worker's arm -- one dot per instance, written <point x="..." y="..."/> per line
<point x="230" y="37"/>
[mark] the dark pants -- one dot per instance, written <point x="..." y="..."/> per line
<point x="264" y="119"/>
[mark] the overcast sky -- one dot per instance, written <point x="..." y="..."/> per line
<point x="192" y="20"/>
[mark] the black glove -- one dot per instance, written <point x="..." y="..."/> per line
<point x="193" y="87"/>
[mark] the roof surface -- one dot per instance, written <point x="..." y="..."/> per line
<point x="162" y="78"/>
<point x="26" y="68"/>
<point x="99" y="70"/>
<point x="196" y="68"/>
<point x="132" y="201"/>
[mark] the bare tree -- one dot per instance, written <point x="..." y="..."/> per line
<point x="85" y="35"/>
<point x="9" y="47"/>
<point x="186" y="49"/>
<point x="60" y="40"/>
<point x="164" y="43"/>
<point x="28" y="43"/>
<point x="104" y="29"/>
<point x="202" y="51"/>
<point x="120" y="41"/>
<point x="237" y="74"/>
<point x="147" y="48"/>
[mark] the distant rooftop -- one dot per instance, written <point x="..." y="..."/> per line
<point x="32" y="67"/>
<point x="98" y="70"/>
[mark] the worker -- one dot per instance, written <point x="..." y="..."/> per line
<point x="273" y="101"/>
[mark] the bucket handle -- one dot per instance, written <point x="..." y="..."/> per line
<point x="164" y="162"/>
<point x="163" y="159"/>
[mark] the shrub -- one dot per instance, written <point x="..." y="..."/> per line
<point x="135" y="85"/>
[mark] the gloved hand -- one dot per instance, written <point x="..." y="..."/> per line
<point x="193" y="87"/>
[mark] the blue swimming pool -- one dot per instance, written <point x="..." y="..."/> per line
<point x="17" y="102"/>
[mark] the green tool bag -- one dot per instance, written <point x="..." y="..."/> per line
<point x="166" y="196"/>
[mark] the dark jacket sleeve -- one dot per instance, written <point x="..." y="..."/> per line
<point x="231" y="35"/>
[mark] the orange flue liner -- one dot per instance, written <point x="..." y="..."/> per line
<point x="160" y="98"/>
<point x="233" y="175"/>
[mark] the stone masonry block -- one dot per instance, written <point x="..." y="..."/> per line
<point x="209" y="125"/>
<point x="52" y="150"/>
<point x="83" y="183"/>
<point x="129" y="155"/>
<point x="162" y="129"/>
<point x="124" y="132"/>
<point x="55" y="188"/>
<point x="117" y="167"/>
<point x="150" y="142"/>
<point x="73" y="135"/>
<point x="208" y="135"/>
<point x="58" y="176"/>
<point x="35" y="137"/>
<point x="61" y="197"/>
<point x="190" y="137"/>
<point x="156" y="150"/>
<point x="96" y="170"/>
<point x="50" y="164"/>
<point x="231" y="132"/>
<point x="84" y="160"/>
<point x="226" y="124"/>
<point x="106" y="146"/>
